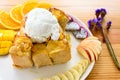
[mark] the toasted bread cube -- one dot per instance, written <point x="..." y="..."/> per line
<point x="22" y="61"/>
<point x="60" y="56"/>
<point x="59" y="51"/>
<point x="21" y="52"/>
<point x="40" y="55"/>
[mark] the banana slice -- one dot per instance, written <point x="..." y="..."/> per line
<point x="79" y="69"/>
<point x="55" y="78"/>
<point x="43" y="79"/>
<point x="69" y="75"/>
<point x="84" y="64"/>
<point x="75" y="73"/>
<point x="63" y="77"/>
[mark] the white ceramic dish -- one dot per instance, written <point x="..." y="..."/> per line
<point x="8" y="72"/>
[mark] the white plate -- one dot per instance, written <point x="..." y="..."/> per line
<point x="8" y="72"/>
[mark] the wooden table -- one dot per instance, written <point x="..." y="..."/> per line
<point x="104" y="68"/>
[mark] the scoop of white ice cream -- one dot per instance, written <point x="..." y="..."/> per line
<point x="41" y="24"/>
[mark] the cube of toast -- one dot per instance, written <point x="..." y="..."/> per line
<point x="22" y="61"/>
<point x="60" y="56"/>
<point x="59" y="51"/>
<point x="21" y="52"/>
<point x="40" y="55"/>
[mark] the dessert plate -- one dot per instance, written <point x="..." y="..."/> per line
<point x="8" y="72"/>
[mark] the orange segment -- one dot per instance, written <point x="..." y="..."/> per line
<point x="7" y="22"/>
<point x="44" y="5"/>
<point x="16" y="13"/>
<point x="1" y="27"/>
<point x="29" y="5"/>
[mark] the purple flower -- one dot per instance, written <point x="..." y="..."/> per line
<point x="103" y="12"/>
<point x="89" y="23"/>
<point x="94" y="21"/>
<point x="99" y="25"/>
<point x="97" y="12"/>
<point x="95" y="24"/>
<point x="109" y="24"/>
<point x="99" y="19"/>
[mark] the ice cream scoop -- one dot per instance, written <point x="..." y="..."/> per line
<point x="41" y="25"/>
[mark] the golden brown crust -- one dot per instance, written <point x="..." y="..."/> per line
<point x="40" y="55"/>
<point x="61" y="17"/>
<point x="21" y="52"/>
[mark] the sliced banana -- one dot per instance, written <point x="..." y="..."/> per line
<point x="79" y="69"/>
<point x="75" y="73"/>
<point x="63" y="77"/>
<point x="43" y="79"/>
<point x="55" y="78"/>
<point x="84" y="64"/>
<point x="69" y="75"/>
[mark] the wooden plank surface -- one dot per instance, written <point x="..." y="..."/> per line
<point x="104" y="68"/>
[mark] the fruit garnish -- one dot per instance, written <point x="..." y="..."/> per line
<point x="81" y="34"/>
<point x="74" y="73"/>
<point x="7" y="35"/>
<point x="29" y="5"/>
<point x="4" y="47"/>
<point x="4" y="51"/>
<point x="90" y="48"/>
<point x="76" y="28"/>
<point x="16" y="13"/>
<point x="72" y="26"/>
<point x="6" y="38"/>
<point x="4" y="44"/>
<point x="7" y="22"/>
<point x="44" y="5"/>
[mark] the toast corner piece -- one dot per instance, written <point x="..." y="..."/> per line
<point x="21" y="52"/>
<point x="22" y="61"/>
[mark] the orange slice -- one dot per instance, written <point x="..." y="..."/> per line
<point x="1" y="27"/>
<point x="16" y="13"/>
<point x="7" y="22"/>
<point x="29" y="5"/>
<point x="44" y="5"/>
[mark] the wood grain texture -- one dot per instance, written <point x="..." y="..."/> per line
<point x="104" y="68"/>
